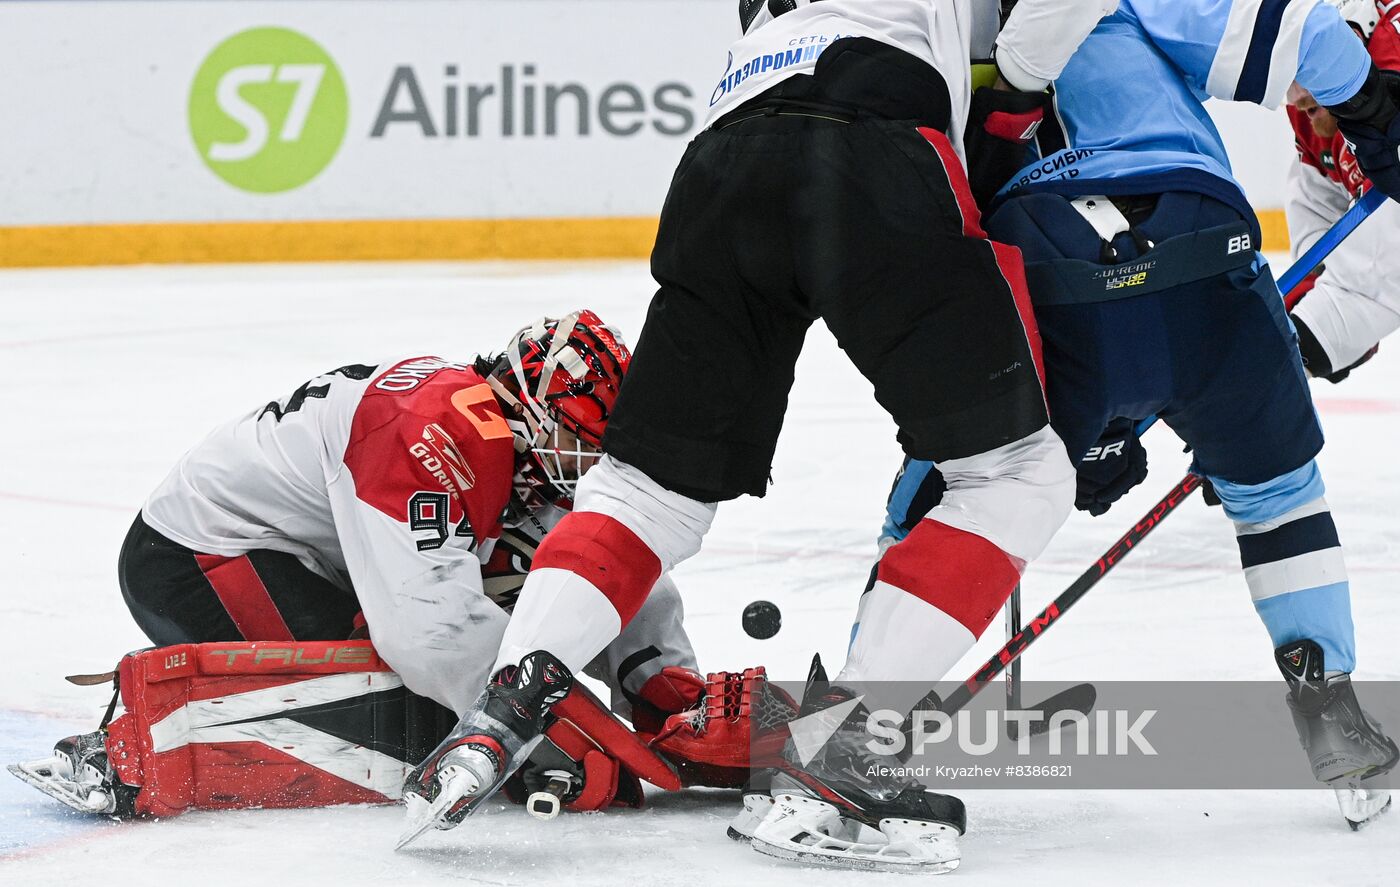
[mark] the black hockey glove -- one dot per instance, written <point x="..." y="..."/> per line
<point x="749" y="8"/>
<point x="748" y="11"/>
<point x="1208" y="491"/>
<point x="1370" y="120"/>
<point x="1000" y="124"/>
<point x="1111" y="468"/>
<point x="1315" y="358"/>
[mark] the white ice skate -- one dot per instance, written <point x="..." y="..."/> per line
<point x="829" y="810"/>
<point x="812" y="831"/>
<point x="757" y="805"/>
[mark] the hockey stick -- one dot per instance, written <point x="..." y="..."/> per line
<point x="1013" y="648"/>
<point x="1081" y="697"/>
<point x="1013" y="672"/>
<point x="1369" y="203"/>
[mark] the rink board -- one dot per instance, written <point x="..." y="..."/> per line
<point x="205" y="131"/>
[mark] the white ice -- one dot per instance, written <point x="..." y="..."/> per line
<point x="108" y="375"/>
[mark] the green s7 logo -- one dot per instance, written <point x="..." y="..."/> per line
<point x="268" y="110"/>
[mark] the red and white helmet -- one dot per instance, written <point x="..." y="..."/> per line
<point x="560" y="382"/>
<point x="1364" y="15"/>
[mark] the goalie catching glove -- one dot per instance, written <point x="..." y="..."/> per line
<point x="734" y="730"/>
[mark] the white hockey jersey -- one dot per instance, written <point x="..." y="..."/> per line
<point x="1039" y="38"/>
<point x="390" y="480"/>
<point x="1356" y="300"/>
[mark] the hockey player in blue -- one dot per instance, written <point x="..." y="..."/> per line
<point x="1140" y="253"/>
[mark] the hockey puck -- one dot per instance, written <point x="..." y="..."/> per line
<point x="762" y="619"/>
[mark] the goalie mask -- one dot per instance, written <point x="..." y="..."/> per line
<point x="561" y="377"/>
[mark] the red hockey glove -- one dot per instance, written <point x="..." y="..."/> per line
<point x="736" y="729"/>
<point x="672" y="690"/>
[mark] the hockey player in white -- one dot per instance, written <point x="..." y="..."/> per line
<point x="829" y="182"/>
<point x="1354" y="301"/>
<point x="404" y="498"/>
<point x="390" y="486"/>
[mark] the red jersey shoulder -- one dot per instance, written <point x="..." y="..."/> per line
<point x="1331" y="157"/>
<point x="427" y="425"/>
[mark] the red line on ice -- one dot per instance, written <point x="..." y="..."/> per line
<point x="1355" y="405"/>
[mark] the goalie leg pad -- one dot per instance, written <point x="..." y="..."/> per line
<point x="238" y="725"/>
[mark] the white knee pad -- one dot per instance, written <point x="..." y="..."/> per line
<point x="1016" y="496"/>
<point x="670" y="524"/>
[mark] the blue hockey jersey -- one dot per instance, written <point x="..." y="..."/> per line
<point x="1129" y="115"/>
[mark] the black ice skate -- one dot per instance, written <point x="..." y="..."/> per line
<point x="488" y="744"/>
<point x="1348" y="750"/>
<point x="79" y="775"/>
<point x="838" y="805"/>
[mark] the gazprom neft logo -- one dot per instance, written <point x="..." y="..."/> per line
<point x="799" y="51"/>
<point x="519" y="102"/>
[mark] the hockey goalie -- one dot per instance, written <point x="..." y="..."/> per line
<point x="326" y="579"/>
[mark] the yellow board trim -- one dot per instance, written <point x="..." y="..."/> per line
<point x="368" y="240"/>
<point x="1275" y="229"/>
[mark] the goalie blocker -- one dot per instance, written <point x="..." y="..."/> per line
<point x="239" y="725"/>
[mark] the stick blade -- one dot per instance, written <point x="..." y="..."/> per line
<point x="1079" y="698"/>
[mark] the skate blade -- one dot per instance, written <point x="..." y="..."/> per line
<point x="456" y="784"/>
<point x="1079" y="698"/>
<point x="827" y="860"/>
<point x="40" y="774"/>
<point x="1361" y="806"/>
<point x="830" y="840"/>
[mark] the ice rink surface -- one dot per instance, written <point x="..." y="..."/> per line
<point x="109" y="375"/>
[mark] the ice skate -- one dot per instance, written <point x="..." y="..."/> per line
<point x="488" y="744"/>
<point x="79" y="775"/>
<point x="758" y="803"/>
<point x="1347" y="749"/>
<point x="842" y="808"/>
